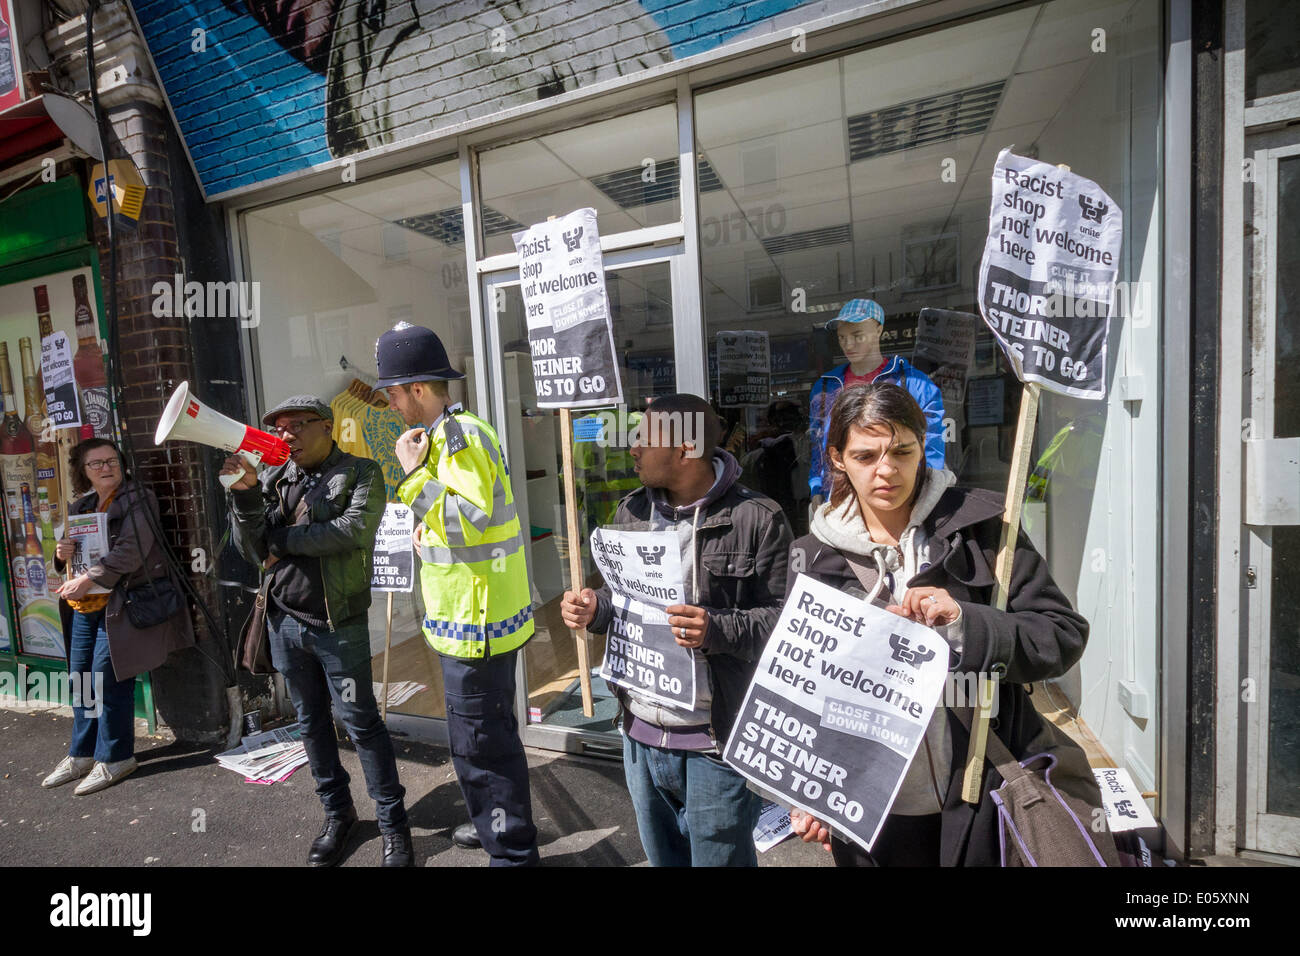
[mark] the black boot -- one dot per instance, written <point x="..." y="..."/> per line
<point x="397" y="848"/>
<point x="327" y="849"/>
<point x="466" y="837"/>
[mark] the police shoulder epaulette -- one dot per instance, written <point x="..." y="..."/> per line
<point x="454" y="434"/>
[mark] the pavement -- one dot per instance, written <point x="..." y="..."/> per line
<point x="181" y="809"/>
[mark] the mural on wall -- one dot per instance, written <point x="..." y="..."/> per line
<point x="263" y="88"/>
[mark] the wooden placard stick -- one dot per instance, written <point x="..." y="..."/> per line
<point x="388" y="645"/>
<point x="577" y="580"/>
<point x="1015" y="501"/>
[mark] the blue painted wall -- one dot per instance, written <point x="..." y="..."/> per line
<point x="251" y="110"/>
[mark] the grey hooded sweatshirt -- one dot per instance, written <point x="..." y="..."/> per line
<point x="684" y="521"/>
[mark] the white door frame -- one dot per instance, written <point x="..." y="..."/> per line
<point x="1263" y="831"/>
<point x="567" y="739"/>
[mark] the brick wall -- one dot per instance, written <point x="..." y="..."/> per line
<point x="155" y="354"/>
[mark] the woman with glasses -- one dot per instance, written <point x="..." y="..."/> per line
<point x="106" y="649"/>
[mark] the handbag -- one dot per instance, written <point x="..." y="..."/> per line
<point x="253" y="651"/>
<point x="1049" y="805"/>
<point x="152" y="603"/>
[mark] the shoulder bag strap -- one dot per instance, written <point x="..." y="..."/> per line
<point x="995" y="751"/>
<point x="868" y="577"/>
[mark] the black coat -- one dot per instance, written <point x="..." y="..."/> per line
<point x="1039" y="636"/>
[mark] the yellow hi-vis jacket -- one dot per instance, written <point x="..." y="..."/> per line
<point x="473" y="572"/>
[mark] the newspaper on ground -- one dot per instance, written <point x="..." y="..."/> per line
<point x="268" y="757"/>
<point x="400" y="692"/>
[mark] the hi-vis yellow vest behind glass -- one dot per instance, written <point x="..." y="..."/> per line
<point x="473" y="573"/>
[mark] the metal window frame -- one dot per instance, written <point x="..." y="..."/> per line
<point x="1230" y="622"/>
<point x="1176" y="229"/>
<point x="1262" y="831"/>
<point x="564" y="739"/>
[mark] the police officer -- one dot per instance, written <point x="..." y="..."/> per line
<point x="478" y="607"/>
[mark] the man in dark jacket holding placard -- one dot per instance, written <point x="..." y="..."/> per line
<point x="691" y="808"/>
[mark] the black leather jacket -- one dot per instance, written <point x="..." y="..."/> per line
<point x="346" y="507"/>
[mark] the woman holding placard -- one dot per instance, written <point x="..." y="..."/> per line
<point x="122" y="615"/>
<point x="904" y="536"/>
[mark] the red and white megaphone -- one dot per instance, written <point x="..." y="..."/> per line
<point x="187" y="419"/>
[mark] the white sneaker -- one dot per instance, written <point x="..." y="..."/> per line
<point x="70" y="768"/>
<point x="105" y="775"/>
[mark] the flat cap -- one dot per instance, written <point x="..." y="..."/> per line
<point x="299" y="403"/>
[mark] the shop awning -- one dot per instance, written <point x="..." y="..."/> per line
<point x="26" y="129"/>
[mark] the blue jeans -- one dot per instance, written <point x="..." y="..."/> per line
<point x="691" y="809"/>
<point x="103" y="707"/>
<point x="489" y="756"/>
<point x="321" y="667"/>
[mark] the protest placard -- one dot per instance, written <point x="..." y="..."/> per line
<point x="89" y="536"/>
<point x="838" y="706"/>
<point x="644" y="571"/>
<point x="744" y="369"/>
<point x="394" y="560"/>
<point x="1046" y="289"/>
<point x="59" y="382"/>
<point x="562" y="280"/>
<point x="1047" y="278"/>
<point x="1122" y="800"/>
<point x="945" y="351"/>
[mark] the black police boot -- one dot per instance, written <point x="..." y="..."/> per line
<point x="327" y="849"/>
<point x="466" y="837"/>
<point x="397" y="848"/>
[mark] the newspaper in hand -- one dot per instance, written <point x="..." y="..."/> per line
<point x="89" y="533"/>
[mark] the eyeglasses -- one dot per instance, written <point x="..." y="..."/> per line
<point x="295" y="428"/>
<point x="102" y="464"/>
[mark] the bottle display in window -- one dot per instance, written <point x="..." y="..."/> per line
<point x="38" y="425"/>
<point x="32" y="548"/>
<point x="17" y="555"/>
<point x="17" y="458"/>
<point x="88" y="364"/>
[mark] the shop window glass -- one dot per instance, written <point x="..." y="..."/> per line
<point x="36" y="443"/>
<point x="640" y="300"/>
<point x="335" y="271"/>
<point x="868" y="176"/>
<point x="625" y="168"/>
<point x="1284" y="651"/>
<point x="1272" y="47"/>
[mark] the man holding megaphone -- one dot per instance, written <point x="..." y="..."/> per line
<point x="311" y="526"/>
